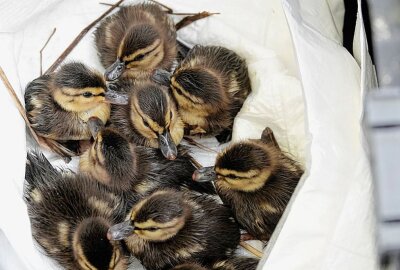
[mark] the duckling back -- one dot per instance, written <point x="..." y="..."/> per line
<point x="131" y="34"/>
<point x="210" y="86"/>
<point x="70" y="216"/>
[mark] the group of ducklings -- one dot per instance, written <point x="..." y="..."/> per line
<point x="138" y="191"/>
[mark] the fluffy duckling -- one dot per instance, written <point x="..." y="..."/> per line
<point x="59" y="105"/>
<point x="150" y="118"/>
<point x="70" y="216"/>
<point x="170" y="228"/>
<point x="126" y="168"/>
<point x="256" y="179"/>
<point x="209" y="86"/>
<point x="135" y="40"/>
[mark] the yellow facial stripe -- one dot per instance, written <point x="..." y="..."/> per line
<point x="155" y="127"/>
<point x="81" y="258"/>
<point x="139" y="205"/>
<point x="246" y="184"/>
<point x="151" y="223"/>
<point x="74" y="92"/>
<point x="138" y="52"/>
<point x="180" y="91"/>
<point x="246" y="174"/>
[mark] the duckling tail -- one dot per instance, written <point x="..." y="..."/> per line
<point x="39" y="173"/>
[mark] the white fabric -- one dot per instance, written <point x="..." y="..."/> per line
<point x="330" y="221"/>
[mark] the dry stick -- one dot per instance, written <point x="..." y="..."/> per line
<point x="41" y="51"/>
<point x="199" y="145"/>
<point x="169" y="10"/>
<point x="79" y="37"/>
<point x="18" y="104"/>
<point x="251" y="249"/>
<point x="190" y="19"/>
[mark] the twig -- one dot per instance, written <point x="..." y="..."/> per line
<point x="79" y="37"/>
<point x="199" y="145"/>
<point x="43" y="142"/>
<point x="41" y="51"/>
<point x="18" y="104"/>
<point x="251" y="249"/>
<point x="106" y="4"/>
<point x="169" y="10"/>
<point x="190" y="19"/>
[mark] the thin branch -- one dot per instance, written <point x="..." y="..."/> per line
<point x="190" y="19"/>
<point x="199" y="145"/>
<point x="106" y="4"/>
<point x="41" y="51"/>
<point x="251" y="249"/>
<point x="169" y="10"/>
<point x="17" y="103"/>
<point x="79" y="37"/>
<point x="43" y="142"/>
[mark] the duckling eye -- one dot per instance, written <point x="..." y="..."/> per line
<point x="170" y="115"/>
<point x="146" y="124"/>
<point x="87" y="94"/>
<point x="152" y="229"/>
<point x="139" y="57"/>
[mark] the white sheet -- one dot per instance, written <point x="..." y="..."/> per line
<point x="319" y="229"/>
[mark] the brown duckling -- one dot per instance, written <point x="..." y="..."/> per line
<point x="126" y="168"/>
<point x="170" y="228"/>
<point x="256" y="179"/>
<point x="59" y="105"/>
<point x="150" y="118"/>
<point x="209" y="86"/>
<point x="135" y="40"/>
<point x="70" y="216"/>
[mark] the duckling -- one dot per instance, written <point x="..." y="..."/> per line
<point x="59" y="105"/>
<point x="150" y="118"/>
<point x="126" y="168"/>
<point x="135" y="40"/>
<point x="209" y="86"/>
<point x="232" y="263"/>
<point x="169" y="228"/>
<point x="256" y="179"/>
<point x="70" y="216"/>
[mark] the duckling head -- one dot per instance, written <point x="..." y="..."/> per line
<point x="92" y="249"/>
<point x="198" y="88"/>
<point x="110" y="159"/>
<point x="154" y="115"/>
<point x="78" y="88"/>
<point x="140" y="50"/>
<point x="244" y="166"/>
<point x="156" y="218"/>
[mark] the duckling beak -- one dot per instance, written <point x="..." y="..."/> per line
<point x="161" y="76"/>
<point x="167" y="145"/>
<point x="115" y="97"/>
<point x="204" y="174"/>
<point x="120" y="231"/>
<point x="95" y="125"/>
<point x="114" y="71"/>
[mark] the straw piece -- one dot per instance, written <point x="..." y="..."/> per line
<point x="199" y="145"/>
<point x="79" y="37"/>
<point x="190" y="19"/>
<point x="41" y="51"/>
<point x="251" y="249"/>
<point x="17" y="103"/>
